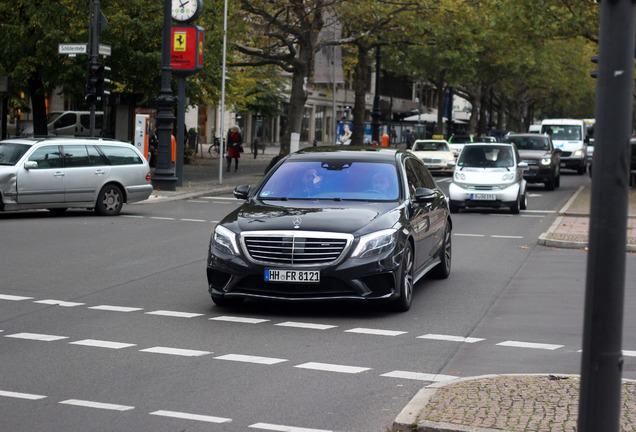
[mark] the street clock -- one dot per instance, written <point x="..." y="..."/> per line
<point x="185" y="11"/>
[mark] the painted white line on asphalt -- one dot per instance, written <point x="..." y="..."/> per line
<point x="174" y="314"/>
<point x="134" y="216"/>
<point x="116" y="308"/>
<point x="531" y="216"/>
<point x="282" y="428"/>
<point x="332" y="367"/>
<point x="13" y="297"/>
<point x="176" y="351"/>
<point x="450" y="338"/>
<point x="377" y="332"/>
<point x="306" y="325"/>
<point x="193" y="220"/>
<point x="102" y="344"/>
<point x="58" y="303"/>
<point x="17" y="395"/>
<point x="469" y="235"/>
<point x="628" y="353"/>
<point x="538" y="211"/>
<point x="250" y="359"/>
<point x="197" y="201"/>
<point x="239" y="319"/>
<point x="37" y="336"/>
<point x="517" y="344"/>
<point x="187" y="416"/>
<point x="419" y="376"/>
<point x="162" y="218"/>
<point x="506" y="236"/>
<point x="98" y="405"/>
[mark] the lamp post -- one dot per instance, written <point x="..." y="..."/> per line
<point x="164" y="176"/>
<point x="375" y="115"/>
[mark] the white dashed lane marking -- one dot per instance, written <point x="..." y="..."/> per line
<point x="517" y="344"/>
<point x="58" y="303"/>
<point x="377" y="332"/>
<point x="250" y="359"/>
<point x="176" y="351"/>
<point x="419" y="376"/>
<point x="174" y="314"/>
<point x="239" y="319"/>
<point x="282" y="428"/>
<point x="332" y="368"/>
<point x="450" y="338"/>
<point x="116" y="308"/>
<point x="98" y="405"/>
<point x="306" y="325"/>
<point x="187" y="416"/>
<point x="17" y="395"/>
<point x="36" y="336"/>
<point x="14" y="298"/>
<point x="102" y="344"/>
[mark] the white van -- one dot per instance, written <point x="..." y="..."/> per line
<point x="70" y="123"/>
<point x="570" y="135"/>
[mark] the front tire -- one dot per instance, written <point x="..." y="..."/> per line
<point x="442" y="270"/>
<point x="110" y="200"/>
<point x="405" y="288"/>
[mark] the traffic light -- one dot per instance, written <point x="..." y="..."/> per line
<point x="594" y="73"/>
<point x="102" y="82"/>
<point x="92" y="82"/>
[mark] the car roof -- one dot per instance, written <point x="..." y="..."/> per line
<point x="489" y="144"/>
<point x="360" y="153"/>
<point x="55" y="138"/>
<point x="431" y="140"/>
<point x="527" y="134"/>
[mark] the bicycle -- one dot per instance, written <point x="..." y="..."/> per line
<point x="215" y="149"/>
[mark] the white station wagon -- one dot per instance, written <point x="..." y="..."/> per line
<point x="57" y="173"/>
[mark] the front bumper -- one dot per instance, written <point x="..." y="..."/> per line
<point x="351" y="279"/>
<point x="483" y="196"/>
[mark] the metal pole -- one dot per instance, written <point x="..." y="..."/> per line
<point x="602" y="361"/>
<point x="221" y="129"/>
<point x="375" y="115"/>
<point x="163" y="177"/>
<point x="94" y="56"/>
<point x="181" y="81"/>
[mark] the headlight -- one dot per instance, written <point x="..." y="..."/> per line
<point x="459" y="176"/>
<point x="375" y="243"/>
<point x="225" y="241"/>
<point x="578" y="153"/>
<point x="508" y="177"/>
<point x="546" y="161"/>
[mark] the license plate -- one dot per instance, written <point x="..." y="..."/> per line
<point x="484" y="197"/>
<point x="282" y="275"/>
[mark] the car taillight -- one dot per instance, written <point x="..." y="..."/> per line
<point x="148" y="176"/>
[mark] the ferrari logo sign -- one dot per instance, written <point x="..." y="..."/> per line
<point x="186" y="54"/>
<point x="179" y="40"/>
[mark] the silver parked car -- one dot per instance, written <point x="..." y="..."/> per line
<point x="57" y="173"/>
<point x="489" y="175"/>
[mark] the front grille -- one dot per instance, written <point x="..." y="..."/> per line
<point x="566" y="154"/>
<point x="431" y="161"/>
<point x="482" y="187"/>
<point x="297" y="249"/>
<point x="531" y="162"/>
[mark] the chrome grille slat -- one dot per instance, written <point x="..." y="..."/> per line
<point x="295" y="248"/>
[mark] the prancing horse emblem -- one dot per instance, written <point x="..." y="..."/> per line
<point x="297" y="220"/>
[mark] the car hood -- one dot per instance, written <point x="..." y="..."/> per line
<point x="433" y="154"/>
<point x="329" y="216"/>
<point x="533" y="154"/>
<point x="483" y="176"/>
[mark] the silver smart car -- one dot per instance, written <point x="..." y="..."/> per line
<point x="57" y="173"/>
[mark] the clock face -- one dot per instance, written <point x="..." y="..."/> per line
<point x="185" y="10"/>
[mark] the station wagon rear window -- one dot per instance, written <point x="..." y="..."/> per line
<point x="121" y="155"/>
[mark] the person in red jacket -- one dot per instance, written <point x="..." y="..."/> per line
<point x="234" y="142"/>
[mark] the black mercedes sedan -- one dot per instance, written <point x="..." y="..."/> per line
<point x="325" y="223"/>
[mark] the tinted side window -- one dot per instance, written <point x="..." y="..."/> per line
<point x="424" y="178"/>
<point x="95" y="157"/>
<point x="47" y="157"/>
<point x="121" y="155"/>
<point x="67" y="119"/>
<point x="75" y="156"/>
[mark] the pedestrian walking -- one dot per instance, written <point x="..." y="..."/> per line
<point x="234" y="144"/>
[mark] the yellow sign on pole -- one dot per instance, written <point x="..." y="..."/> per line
<point x="179" y="41"/>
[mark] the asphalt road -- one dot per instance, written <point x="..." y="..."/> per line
<point x="106" y="325"/>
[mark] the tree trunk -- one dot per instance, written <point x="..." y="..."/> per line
<point x="360" y="91"/>
<point x="38" y="104"/>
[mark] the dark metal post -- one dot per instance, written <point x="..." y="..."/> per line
<point x="601" y="366"/>
<point x="375" y="115"/>
<point x="164" y="177"/>
<point x="180" y="128"/>
<point x="94" y="56"/>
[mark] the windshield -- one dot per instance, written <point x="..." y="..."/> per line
<point x="486" y="157"/>
<point x="11" y="153"/>
<point x="563" y="133"/>
<point x="529" y="143"/>
<point x="334" y="180"/>
<point x="431" y="146"/>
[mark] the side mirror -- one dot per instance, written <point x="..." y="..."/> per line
<point x="30" y="165"/>
<point x="523" y="165"/>
<point x="242" y="191"/>
<point x="424" y="195"/>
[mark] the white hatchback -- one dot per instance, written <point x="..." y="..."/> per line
<point x="488" y="175"/>
<point x="58" y="173"/>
